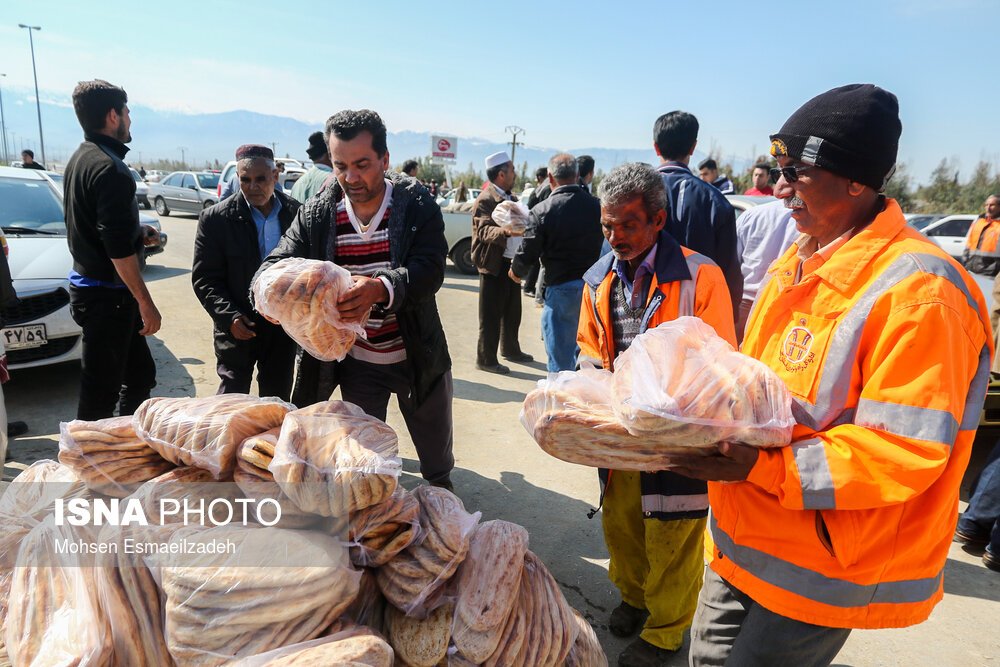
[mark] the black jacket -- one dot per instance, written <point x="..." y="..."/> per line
<point x="564" y="231"/>
<point x="417" y="250"/>
<point x="227" y="255"/>
<point x="102" y="216"/>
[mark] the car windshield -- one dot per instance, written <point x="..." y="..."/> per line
<point x="136" y="175"/>
<point x="922" y="221"/>
<point x="207" y="181"/>
<point x="29" y="206"/>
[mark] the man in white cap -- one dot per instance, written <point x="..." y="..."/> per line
<point x="492" y="251"/>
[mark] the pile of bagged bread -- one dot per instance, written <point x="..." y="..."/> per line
<point x="358" y="571"/>
<point x="678" y="389"/>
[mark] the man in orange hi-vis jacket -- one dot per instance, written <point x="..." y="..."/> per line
<point x="982" y="247"/>
<point x="884" y="342"/>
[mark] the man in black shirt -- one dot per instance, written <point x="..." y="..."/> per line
<point x="108" y="297"/>
<point x="28" y="160"/>
<point x="564" y="231"/>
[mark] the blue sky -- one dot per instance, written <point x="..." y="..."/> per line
<point x="573" y="75"/>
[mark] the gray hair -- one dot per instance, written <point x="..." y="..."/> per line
<point x="563" y="168"/>
<point x="633" y="179"/>
<point x="247" y="160"/>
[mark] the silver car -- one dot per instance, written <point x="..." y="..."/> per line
<point x="184" y="191"/>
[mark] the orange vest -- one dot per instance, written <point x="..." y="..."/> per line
<point x="886" y="350"/>
<point x="984" y="237"/>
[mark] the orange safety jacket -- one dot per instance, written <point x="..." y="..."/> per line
<point x="684" y="283"/>
<point x="886" y="350"/>
<point x="982" y="247"/>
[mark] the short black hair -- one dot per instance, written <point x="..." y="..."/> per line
<point x="92" y="100"/>
<point x="762" y="165"/>
<point x="409" y="166"/>
<point x="585" y="165"/>
<point x="541" y="172"/>
<point x="674" y="134"/>
<point x="348" y="124"/>
<point x="30" y="153"/>
<point x="493" y="172"/>
<point x="708" y="163"/>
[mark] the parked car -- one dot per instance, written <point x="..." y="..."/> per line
<point x="155" y="175"/>
<point x="950" y="232"/>
<point x="920" y="220"/>
<point x="184" y="191"/>
<point x="293" y="172"/>
<point x="742" y="203"/>
<point x="141" y="190"/>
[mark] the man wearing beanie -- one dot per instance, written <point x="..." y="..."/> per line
<point x="313" y="180"/>
<point x="883" y="342"/>
<point x="232" y="239"/>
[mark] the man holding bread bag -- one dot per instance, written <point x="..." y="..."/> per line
<point x="883" y="341"/>
<point x="653" y="522"/>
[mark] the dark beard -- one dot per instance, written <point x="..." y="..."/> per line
<point x="122" y="134"/>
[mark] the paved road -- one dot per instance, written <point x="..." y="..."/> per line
<point x="500" y="471"/>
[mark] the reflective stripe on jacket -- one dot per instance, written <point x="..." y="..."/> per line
<point x="684" y="283"/>
<point x="886" y="350"/>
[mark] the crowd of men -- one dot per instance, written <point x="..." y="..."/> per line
<point x="883" y="341"/>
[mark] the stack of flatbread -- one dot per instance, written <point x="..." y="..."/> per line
<point x="345" y="644"/>
<point x="108" y="456"/>
<point x="420" y="642"/>
<point x="302" y="295"/>
<point x="586" y="650"/>
<point x="379" y="532"/>
<point x="217" y="611"/>
<point x="414" y="579"/>
<point x="205" y="432"/>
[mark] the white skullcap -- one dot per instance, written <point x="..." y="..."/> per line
<point x="496" y="159"/>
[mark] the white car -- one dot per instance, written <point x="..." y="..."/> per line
<point x="950" y="232"/>
<point x="141" y="190"/>
<point x="38" y="330"/>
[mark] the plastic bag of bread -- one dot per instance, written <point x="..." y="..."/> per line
<point x="415" y="579"/>
<point x="420" y="642"/>
<point x="54" y="617"/>
<point x="351" y="645"/>
<point x="333" y="464"/>
<point x="586" y="650"/>
<point x="683" y="384"/>
<point x="302" y="295"/>
<point x="511" y="216"/>
<point x="379" y="532"/>
<point x="108" y="455"/>
<point x="273" y="588"/>
<point x="205" y="432"/>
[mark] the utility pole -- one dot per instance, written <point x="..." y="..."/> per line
<point x="514" y="143"/>
<point x="3" y="129"/>
<point x="38" y="102"/>
<point x="274" y="147"/>
<point x="183" y="161"/>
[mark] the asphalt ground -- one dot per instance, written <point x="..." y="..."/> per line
<point x="500" y="471"/>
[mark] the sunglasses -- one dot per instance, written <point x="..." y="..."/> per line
<point x="791" y="174"/>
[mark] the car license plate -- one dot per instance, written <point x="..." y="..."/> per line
<point x="29" y="335"/>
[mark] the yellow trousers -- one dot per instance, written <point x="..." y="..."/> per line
<point x="657" y="565"/>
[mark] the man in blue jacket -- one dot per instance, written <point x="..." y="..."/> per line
<point x="698" y="216"/>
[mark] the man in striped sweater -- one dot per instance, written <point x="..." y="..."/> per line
<point x="386" y="229"/>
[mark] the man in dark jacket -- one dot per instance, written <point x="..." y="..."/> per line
<point x="232" y="239"/>
<point x="108" y="297"/>
<point x="564" y="231"/>
<point x="699" y="216"/>
<point x="389" y="233"/>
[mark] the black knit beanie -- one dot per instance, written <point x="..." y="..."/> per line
<point x="317" y="147"/>
<point x="852" y="131"/>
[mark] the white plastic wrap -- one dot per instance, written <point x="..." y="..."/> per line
<point x="108" y="455"/>
<point x="378" y="532"/>
<point x="682" y="384"/>
<point x="302" y="295"/>
<point x="511" y="216"/>
<point x="355" y="646"/>
<point x="333" y="464"/>
<point x="415" y="579"/>
<point x="261" y="597"/>
<point x="205" y="432"/>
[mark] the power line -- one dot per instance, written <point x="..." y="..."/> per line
<point x="514" y="143"/>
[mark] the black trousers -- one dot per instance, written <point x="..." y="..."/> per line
<point x="117" y="367"/>
<point x="429" y="423"/>
<point x="499" y="316"/>
<point x="271" y="351"/>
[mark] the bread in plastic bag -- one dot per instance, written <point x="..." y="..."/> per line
<point x="302" y="295"/>
<point x="488" y="584"/>
<point x="205" y="432"/>
<point x="257" y="482"/>
<point x="108" y="455"/>
<point x="355" y="646"/>
<point x="420" y="642"/>
<point x="333" y="464"/>
<point x="414" y="580"/>
<point x="378" y="532"/>
<point x="226" y="606"/>
<point x="586" y="650"/>
<point x="683" y="384"/>
<point x="552" y="627"/>
<point x="54" y="616"/>
<point x="511" y="216"/>
<point x="368" y="608"/>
